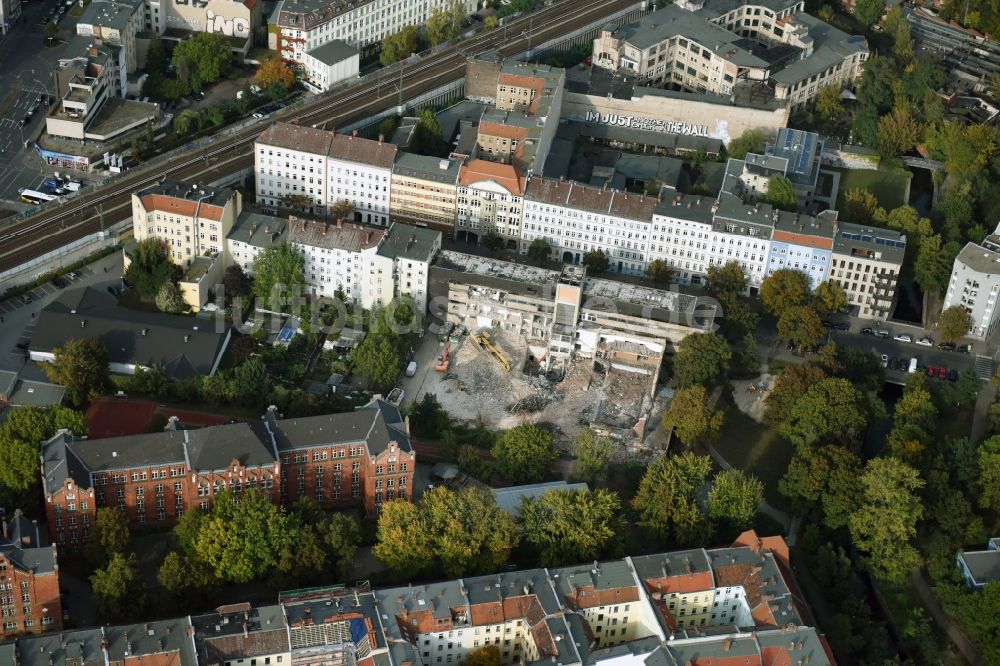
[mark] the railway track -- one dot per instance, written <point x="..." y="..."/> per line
<point x="64" y="223"/>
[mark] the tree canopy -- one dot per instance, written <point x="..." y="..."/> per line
<point x="592" y="453"/>
<point x="457" y="533"/>
<point x="691" y="416"/>
<point x="832" y="408"/>
<point x="118" y="591"/>
<point x="568" y="526"/>
<point x="150" y="267"/>
<point x="524" y="453"/>
<point x="596" y="262"/>
<point x="790" y="385"/>
<point x="205" y="57"/>
<point x="660" y="272"/>
<point x="701" y="358"/>
<point x="824" y="477"/>
<point x="726" y="278"/>
<point x="954" y="323"/>
<point x="380" y="355"/>
<point x="539" y="250"/>
<point x="829" y="297"/>
<point x="445" y="23"/>
<point x="751" y="141"/>
<point x="275" y="72"/>
<point x="734" y="499"/>
<point x="399" y="45"/>
<point x="21" y="436"/>
<point x="169" y="298"/>
<point x="667" y="501"/>
<point x="278" y="274"/>
<point x="783" y="289"/>
<point x="801" y="325"/>
<point x="781" y="193"/>
<point x="109" y="536"/>
<point x="81" y="366"/>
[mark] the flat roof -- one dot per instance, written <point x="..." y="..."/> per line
<point x="980" y="258"/>
<point x="333" y="52"/>
<point x="259" y="230"/>
<point x="424" y="167"/>
<point x="404" y="241"/>
<point x="881" y="244"/>
<point x="114" y="14"/>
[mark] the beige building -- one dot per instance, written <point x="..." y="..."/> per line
<point x="866" y="262"/>
<point x="114" y="24"/>
<point x="424" y="191"/>
<point x="490" y="197"/>
<point x="193" y="222"/>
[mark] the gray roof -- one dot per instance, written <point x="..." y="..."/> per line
<point x="982" y="259"/>
<point x="213" y="196"/>
<point x="675" y="563"/>
<point x="509" y="499"/>
<point x="802" y="150"/>
<point x="830" y="47"/>
<point x="21" y="546"/>
<point x="7" y="381"/>
<point x="158" y="637"/>
<point x="214" y="448"/>
<point x="106" y="14"/>
<point x="28" y="393"/>
<point x="338" y="235"/>
<point x="411" y="165"/>
<point x="404" y="241"/>
<point x="377" y="423"/>
<point x="439" y="598"/>
<point x="259" y="230"/>
<point x="239" y="631"/>
<point x="611" y="575"/>
<point x="130" y="452"/>
<point x="59" y="462"/>
<point x="79" y="646"/>
<point x="983" y="565"/>
<point x="489" y="588"/>
<point x="333" y="52"/>
<point x="184" y="346"/>
<point x="870" y="242"/>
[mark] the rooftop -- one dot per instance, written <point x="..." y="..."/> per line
<point x="338" y="235"/>
<point x="870" y="242"/>
<point x="802" y="150"/>
<point x="187" y="199"/>
<point x="983" y="258"/>
<point x="423" y="167"/>
<point x="296" y="137"/>
<point x="333" y="52"/>
<point x="404" y="241"/>
<point x="259" y="230"/>
<point x="509" y="499"/>
<point x="570" y="194"/>
<point x="307" y="14"/>
<point x="505" y="175"/>
<point x="830" y="46"/>
<point x="239" y="631"/>
<point x="114" y="14"/>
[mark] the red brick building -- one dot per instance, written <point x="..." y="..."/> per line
<point x="361" y="458"/>
<point x="29" y="580"/>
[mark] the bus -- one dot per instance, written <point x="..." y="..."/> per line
<point x="33" y="197"/>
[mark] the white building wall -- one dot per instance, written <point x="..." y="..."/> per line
<point x="364" y="185"/>
<point x="683" y="244"/>
<point x="487" y="206"/>
<point x="320" y="76"/>
<point x="281" y="172"/>
<point x="977" y="293"/>
<point x="512" y="638"/>
<point x="377" y="287"/>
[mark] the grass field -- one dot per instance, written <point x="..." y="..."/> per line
<point x="757" y="449"/>
<point x="889" y="187"/>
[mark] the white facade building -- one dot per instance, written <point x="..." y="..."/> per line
<point x="359" y="171"/>
<point x="329" y="64"/>
<point x="290" y="167"/>
<point x="490" y="200"/>
<point x="975" y="285"/>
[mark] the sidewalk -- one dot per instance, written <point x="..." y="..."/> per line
<point x="981" y="415"/>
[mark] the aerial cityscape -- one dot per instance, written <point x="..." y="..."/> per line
<point x="499" y="332"/>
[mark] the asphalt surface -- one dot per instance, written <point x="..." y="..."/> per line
<point x="59" y="224"/>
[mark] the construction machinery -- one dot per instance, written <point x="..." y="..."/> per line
<point x="483" y="340"/>
<point x="443" y="362"/>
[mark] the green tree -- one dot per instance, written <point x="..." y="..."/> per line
<point x="457" y="532"/>
<point x="150" y="267"/>
<point x="118" y="591"/>
<point x="21" y="436"/>
<point x="781" y="193"/>
<point x="790" y="385"/>
<point x="428" y="419"/>
<point x="400" y="45"/>
<point x="427" y="138"/>
<point x="303" y="558"/>
<point x="783" y="289"/>
<point x="667" y="501"/>
<point x="830" y="408"/>
<point x="861" y="207"/>
<point x="989" y="474"/>
<point x="489" y="655"/>
<point x="692" y="417"/>
<point x="109" y="536"/>
<point x="824" y="477"/>
<point x="539" y="250"/>
<point x="187" y="121"/>
<point x="490" y="241"/>
<point x="702" y="358"/>
<point x="236" y="283"/>
<point x="868" y="11"/>
<point x="81" y="366"/>
<point x="186" y="579"/>
<point x="886" y="518"/>
<point x="592" y="454"/>
<point x="801" y="325"/>
<point x="569" y="526"/>
<point x="954" y="323"/>
<point x="51" y="32"/>
<point x="379" y="356"/>
<point x="596" y="262"/>
<point x="728" y="278"/>
<point x="524" y="453"/>
<point x="340" y="535"/>
<point x="734" y="499"/>
<point x="206" y="55"/>
<point x="169" y="299"/>
<point x="491" y="23"/>
<point x="251" y="382"/>
<point x="898" y="131"/>
<point x="242" y="535"/>
<point x="933" y="265"/>
<point x="444" y="23"/>
<point x="829" y="297"/>
<point x="828" y="105"/>
<point x="660" y="272"/>
<point x="751" y="141"/>
<point x="278" y="276"/>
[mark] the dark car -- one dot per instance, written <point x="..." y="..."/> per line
<point x="22" y="346"/>
<point x="59" y="282"/>
<point x="867" y="331"/>
<point x="953" y="375"/>
<point x="893" y="363"/>
<point x="946" y="346"/>
<point x="964" y="349"/>
<point x="114" y="291"/>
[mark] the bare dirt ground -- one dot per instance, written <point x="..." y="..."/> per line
<point x="751" y="402"/>
<point x="477" y="388"/>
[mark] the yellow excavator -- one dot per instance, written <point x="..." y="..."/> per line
<point x="482" y="338"/>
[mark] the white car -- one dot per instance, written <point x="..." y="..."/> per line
<point x="903" y="337"/>
<point x="885" y="360"/>
<point x="926" y="342"/>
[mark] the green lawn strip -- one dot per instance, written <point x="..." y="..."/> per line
<point x="887" y="186"/>
<point x="757" y="449"/>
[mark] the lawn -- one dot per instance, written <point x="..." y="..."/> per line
<point x="755" y="448"/>
<point x="889" y="187"/>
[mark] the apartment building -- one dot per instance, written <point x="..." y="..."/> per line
<point x="30" y="602"/>
<point x="360" y="458"/>
<point x="325" y="66"/>
<point x="10" y="12"/>
<point x="975" y="283"/>
<point x="716" y="48"/>
<point x="424" y="191"/>
<point x="359" y="171"/>
<point x="867" y="262"/>
<point x="290" y="167"/>
<point x="114" y="24"/>
<point x="296" y="27"/>
<point x="795" y="154"/>
<point x="235" y="20"/>
<point x="369" y="265"/>
<point x="490" y="199"/>
<point x="192" y="221"/>
<point x="576" y="219"/>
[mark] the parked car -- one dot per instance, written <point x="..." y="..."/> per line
<point x="942" y="373"/>
<point x="867" y="331"/>
<point x="882" y="334"/>
<point x="893" y="363"/>
<point x="885" y="361"/>
<point x="114" y="291"/>
<point x="25" y="298"/>
<point x="903" y="337"/>
<point x="926" y="342"/>
<point x="836" y="325"/>
<point x="72" y="275"/>
<point x="953" y="375"/>
<point x="964" y="349"/>
<point x="59" y="282"/>
<point x="931" y="371"/>
<point x="946" y="346"/>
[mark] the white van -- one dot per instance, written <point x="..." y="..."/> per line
<point x="73" y="185"/>
<point x="913" y="365"/>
